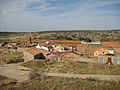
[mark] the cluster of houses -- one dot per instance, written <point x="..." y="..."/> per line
<point x="11" y="46"/>
<point x="62" y="52"/>
<point x="50" y="51"/>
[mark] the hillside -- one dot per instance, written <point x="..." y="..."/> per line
<point x="100" y="35"/>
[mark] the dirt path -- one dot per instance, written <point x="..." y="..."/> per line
<point x="84" y="76"/>
<point x="12" y="71"/>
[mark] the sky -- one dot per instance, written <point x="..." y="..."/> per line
<point x="42" y="15"/>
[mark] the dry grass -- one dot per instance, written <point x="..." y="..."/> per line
<point x="4" y="81"/>
<point x="74" y="67"/>
<point x="117" y="50"/>
<point x="11" y="57"/>
<point x="58" y="83"/>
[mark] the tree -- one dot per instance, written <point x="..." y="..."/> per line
<point x="81" y="38"/>
<point x="87" y="40"/>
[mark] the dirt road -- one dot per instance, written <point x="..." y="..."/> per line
<point x="84" y="76"/>
<point x="12" y="71"/>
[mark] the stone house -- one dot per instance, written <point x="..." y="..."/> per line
<point x="59" y="48"/>
<point x="35" y="53"/>
<point x="62" y="56"/>
<point x="70" y="56"/>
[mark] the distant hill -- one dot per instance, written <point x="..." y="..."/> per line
<point x="99" y="35"/>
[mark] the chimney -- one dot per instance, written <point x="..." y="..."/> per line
<point x="30" y="40"/>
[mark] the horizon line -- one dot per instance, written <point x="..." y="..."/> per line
<point x="63" y="30"/>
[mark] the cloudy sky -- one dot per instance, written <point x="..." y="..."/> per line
<point x="41" y="15"/>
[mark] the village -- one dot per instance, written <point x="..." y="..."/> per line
<point x="100" y="52"/>
<point x="25" y="61"/>
<point x="59" y="44"/>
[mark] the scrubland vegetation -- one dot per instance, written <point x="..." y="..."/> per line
<point x="87" y="35"/>
<point x="11" y="57"/>
<point x="5" y="81"/>
<point x="74" y="67"/>
<point x="58" y="83"/>
<point x="77" y="67"/>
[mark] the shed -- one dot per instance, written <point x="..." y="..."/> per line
<point x="85" y="50"/>
<point x="35" y="53"/>
<point x="57" y="55"/>
<point x="59" y="48"/>
<point x="70" y="56"/>
<point x="108" y="59"/>
<point x="101" y="51"/>
<point x="63" y="55"/>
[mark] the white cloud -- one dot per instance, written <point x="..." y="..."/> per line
<point x="89" y="4"/>
<point x="101" y="3"/>
<point x="15" y="16"/>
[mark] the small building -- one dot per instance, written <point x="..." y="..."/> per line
<point x="101" y="51"/>
<point x="92" y="42"/>
<point x="85" y="50"/>
<point x="47" y="47"/>
<point x="70" y="47"/>
<point x="59" y="48"/>
<point x="35" y="53"/>
<point x="3" y="44"/>
<point x="42" y="47"/>
<point x="70" y="56"/>
<point x="13" y="44"/>
<point x="108" y="59"/>
<point x="60" y="56"/>
<point x="57" y="55"/>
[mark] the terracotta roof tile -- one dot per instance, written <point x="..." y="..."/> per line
<point x="35" y="51"/>
<point x="3" y="47"/>
<point x="87" y="50"/>
<point x="71" y="55"/>
<point x="58" y="53"/>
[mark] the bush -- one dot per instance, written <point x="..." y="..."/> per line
<point x="87" y="40"/>
<point x="81" y="38"/>
<point x="92" y="79"/>
<point x="15" y="60"/>
<point x="34" y="74"/>
<point x="68" y="38"/>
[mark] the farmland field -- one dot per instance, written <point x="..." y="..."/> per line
<point x="111" y="44"/>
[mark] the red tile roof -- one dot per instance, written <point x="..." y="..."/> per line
<point x="87" y="50"/>
<point x="58" y="53"/>
<point x="35" y="51"/>
<point x="71" y="55"/>
<point x="3" y="47"/>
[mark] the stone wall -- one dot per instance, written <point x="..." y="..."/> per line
<point x="28" y="56"/>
